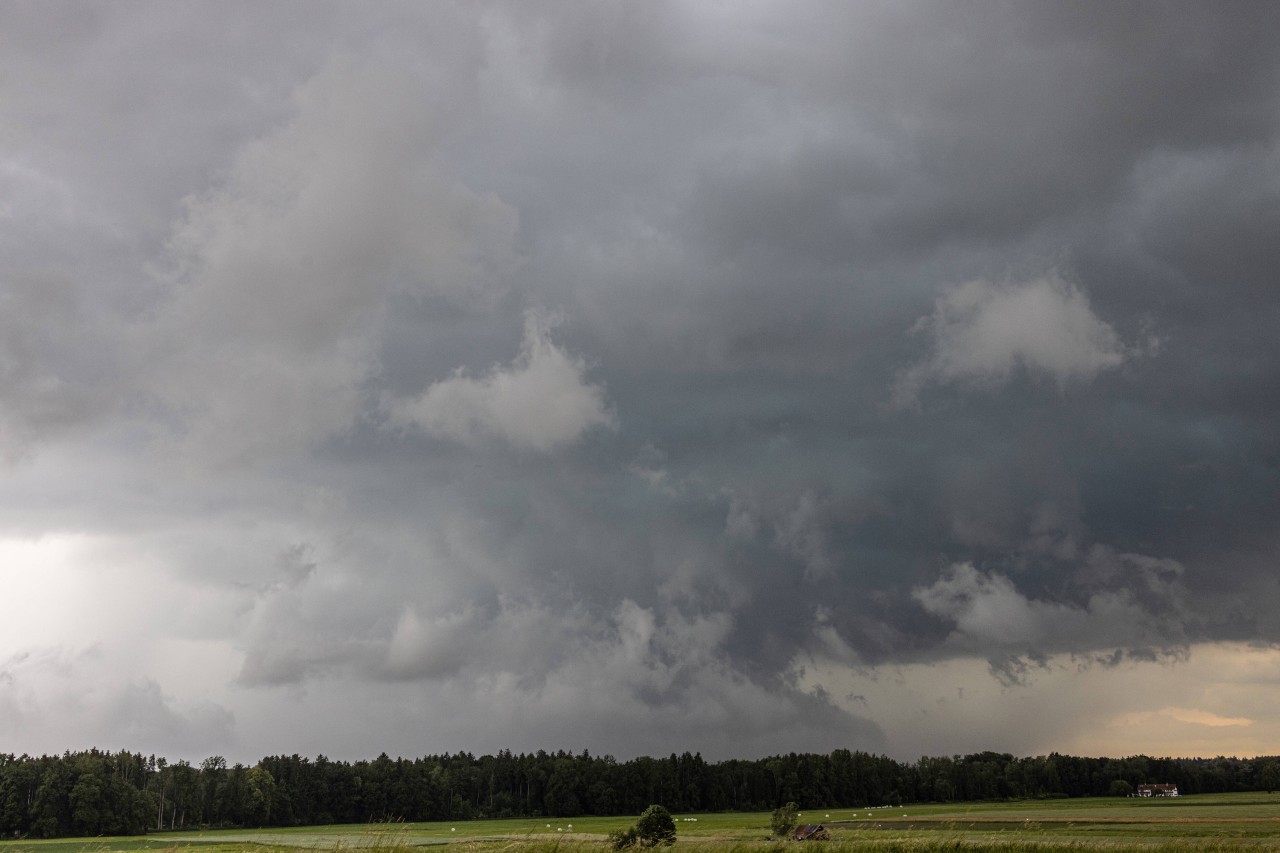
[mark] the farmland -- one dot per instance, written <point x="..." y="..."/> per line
<point x="1211" y="822"/>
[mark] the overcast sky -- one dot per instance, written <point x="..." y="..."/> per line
<point x="640" y="377"/>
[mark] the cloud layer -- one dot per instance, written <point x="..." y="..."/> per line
<point x="638" y="378"/>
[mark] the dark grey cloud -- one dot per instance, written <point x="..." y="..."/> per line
<point x="634" y="375"/>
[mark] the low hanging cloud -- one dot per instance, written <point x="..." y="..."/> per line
<point x="982" y="332"/>
<point x="992" y="616"/>
<point x="541" y="401"/>
<point x="630" y="666"/>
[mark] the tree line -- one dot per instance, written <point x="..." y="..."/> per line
<point x="122" y="793"/>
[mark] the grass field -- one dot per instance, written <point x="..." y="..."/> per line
<point x="1228" y="822"/>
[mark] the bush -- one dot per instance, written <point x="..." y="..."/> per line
<point x="784" y="819"/>
<point x="655" y="827"/>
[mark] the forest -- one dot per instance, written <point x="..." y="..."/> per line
<point x="121" y="793"/>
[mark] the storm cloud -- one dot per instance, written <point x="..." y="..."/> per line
<point x="638" y="377"/>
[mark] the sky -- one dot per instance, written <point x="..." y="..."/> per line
<point x="739" y="378"/>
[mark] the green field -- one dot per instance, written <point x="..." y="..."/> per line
<point x="1224" y="822"/>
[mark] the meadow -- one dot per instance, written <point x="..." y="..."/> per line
<point x="1210" y="822"/>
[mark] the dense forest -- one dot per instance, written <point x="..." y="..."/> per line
<point x="105" y="793"/>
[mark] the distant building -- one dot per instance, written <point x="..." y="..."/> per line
<point x="1165" y="790"/>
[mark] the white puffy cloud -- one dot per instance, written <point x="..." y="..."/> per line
<point x="981" y="332"/>
<point x="541" y="401"/>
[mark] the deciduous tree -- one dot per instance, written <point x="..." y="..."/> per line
<point x="784" y="818"/>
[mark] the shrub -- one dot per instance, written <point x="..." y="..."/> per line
<point x="784" y="819"/>
<point x="655" y="827"/>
